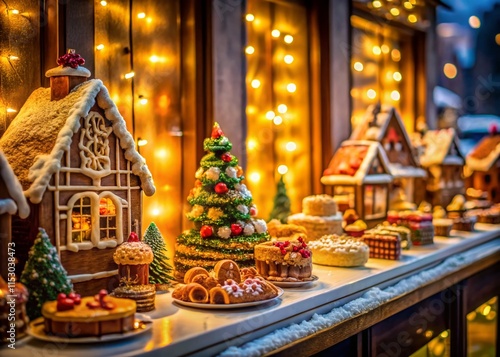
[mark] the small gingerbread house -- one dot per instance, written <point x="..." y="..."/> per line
<point x="444" y="164"/>
<point x="12" y="201"/>
<point x="79" y="168"/>
<point x="359" y="173"/>
<point x="482" y="170"/>
<point x="384" y="125"/>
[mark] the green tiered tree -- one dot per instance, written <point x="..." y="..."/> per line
<point x="159" y="269"/>
<point x="222" y="211"/>
<point x="281" y="208"/>
<point x="43" y="275"/>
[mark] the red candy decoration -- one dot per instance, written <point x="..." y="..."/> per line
<point x="68" y="302"/>
<point x="61" y="296"/>
<point x="133" y="237"/>
<point x="206" y="231"/>
<point x="226" y="157"/>
<point x="253" y="211"/>
<point x="70" y="59"/>
<point x="217" y="131"/>
<point x="236" y="229"/>
<point x="221" y="188"/>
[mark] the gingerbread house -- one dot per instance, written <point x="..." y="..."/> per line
<point x="79" y="168"/>
<point x="482" y="170"/>
<point x="384" y="125"/>
<point x="360" y="175"/>
<point x="12" y="202"/>
<point x="444" y="164"/>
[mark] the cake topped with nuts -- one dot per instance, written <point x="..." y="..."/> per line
<point x="133" y="252"/>
<point x="319" y="205"/>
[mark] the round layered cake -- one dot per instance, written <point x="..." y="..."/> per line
<point x="319" y="217"/>
<point x="143" y="295"/>
<point x="133" y="258"/>
<point x="338" y="251"/>
<point x="89" y="317"/>
<point x="284" y="260"/>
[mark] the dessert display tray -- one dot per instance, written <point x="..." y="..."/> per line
<point x="293" y="284"/>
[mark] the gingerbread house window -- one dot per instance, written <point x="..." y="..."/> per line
<point x="375" y="201"/>
<point x="94" y="221"/>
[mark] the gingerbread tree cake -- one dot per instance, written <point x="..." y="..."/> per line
<point x="225" y="226"/>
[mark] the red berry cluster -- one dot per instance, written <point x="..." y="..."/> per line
<point x="282" y="246"/>
<point x="68" y="302"/>
<point x="100" y="302"/>
<point x="300" y="248"/>
<point x="72" y="60"/>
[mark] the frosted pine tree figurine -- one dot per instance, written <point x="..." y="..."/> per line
<point x="225" y="226"/>
<point x="281" y="209"/>
<point x="159" y="270"/>
<point x="43" y="275"/>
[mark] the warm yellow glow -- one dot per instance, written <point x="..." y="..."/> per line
<point x="251" y="109"/>
<point x="413" y="2"/>
<point x="385" y="49"/>
<point x="251" y="144"/>
<point x="497" y="38"/>
<point x="291" y="87"/>
<point x="376" y="50"/>
<point x="155" y="211"/>
<point x="408" y="5"/>
<point x="288" y="59"/>
<point x="486" y="310"/>
<point x="275" y="33"/>
<point x="141" y="15"/>
<point x="282" y="108"/>
<point x="129" y="75"/>
<point x="255" y="83"/>
<point x="14" y="11"/>
<point x="154" y="59"/>
<point x="270" y="115"/>
<point x="104" y="3"/>
<point x="395" y="95"/>
<point x="376" y="4"/>
<point x="354" y="92"/>
<point x="412" y="18"/>
<point x="471" y="316"/>
<point x="491" y="315"/>
<point x="250" y="17"/>
<point x="11" y="110"/>
<point x="249" y="50"/>
<point x="149" y="20"/>
<point x="358" y="66"/>
<point x="396" y="55"/>
<point x="12" y="57"/>
<point x="143" y="100"/>
<point x="254" y="177"/>
<point x="450" y="70"/>
<point x="277" y="120"/>
<point x="444" y="334"/>
<point x="397" y="76"/>
<point x="99" y="47"/>
<point x="428" y="333"/>
<point x="142" y="142"/>
<point x="394" y="11"/>
<point x="474" y="22"/>
<point x="161" y="153"/>
<point x="291" y="146"/>
<point x="282" y="169"/>
<point x="288" y="39"/>
<point x="371" y="93"/>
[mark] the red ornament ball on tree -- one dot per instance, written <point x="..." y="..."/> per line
<point x="133" y="237"/>
<point x="236" y="229"/>
<point x="198" y="183"/>
<point x="217" y="131"/>
<point x="221" y="188"/>
<point x="226" y="157"/>
<point x="253" y="211"/>
<point x="206" y="231"/>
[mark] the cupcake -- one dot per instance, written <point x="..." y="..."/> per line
<point x="133" y="258"/>
<point x="357" y="229"/>
<point x="456" y="208"/>
<point x="350" y="216"/>
<point x="442" y="226"/>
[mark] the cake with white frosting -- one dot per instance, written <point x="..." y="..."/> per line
<point x="339" y="251"/>
<point x="319" y="216"/>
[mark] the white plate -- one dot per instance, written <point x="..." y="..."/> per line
<point x="37" y="330"/>
<point x="293" y="284"/>
<point x="227" y="306"/>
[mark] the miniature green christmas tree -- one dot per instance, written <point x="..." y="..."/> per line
<point x="159" y="269"/>
<point x="222" y="211"/>
<point x="281" y="209"/>
<point x="43" y="275"/>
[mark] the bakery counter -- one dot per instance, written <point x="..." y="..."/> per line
<point x="179" y="330"/>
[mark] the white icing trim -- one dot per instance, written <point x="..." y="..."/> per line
<point x="378" y="178"/>
<point x="399" y="171"/>
<point x="483" y="164"/>
<point x="7" y="205"/>
<point x="14" y="189"/>
<point x="68" y="71"/>
<point x="86" y="277"/>
<point x="453" y="160"/>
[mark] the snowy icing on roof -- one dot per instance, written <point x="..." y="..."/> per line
<point x="17" y="202"/>
<point x="441" y="147"/>
<point x="485" y="154"/>
<point x="36" y="139"/>
<point x="355" y="162"/>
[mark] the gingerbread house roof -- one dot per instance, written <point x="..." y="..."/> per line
<point x="358" y="162"/>
<point x="37" y="138"/>
<point x="375" y="127"/>
<point x="485" y="154"/>
<point x="441" y="147"/>
<point x="15" y="202"/>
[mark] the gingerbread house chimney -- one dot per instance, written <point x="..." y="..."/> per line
<point x="67" y="75"/>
